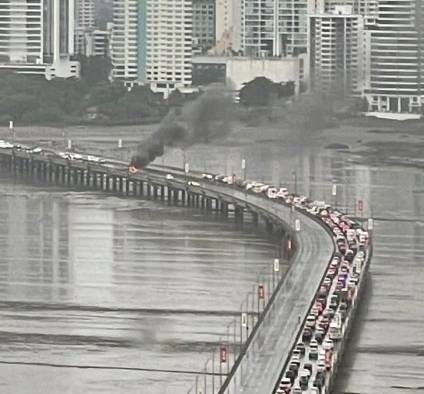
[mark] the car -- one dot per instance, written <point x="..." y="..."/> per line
<point x="271" y="192"/>
<point x="36" y="150"/>
<point x="193" y="183"/>
<point x="316" y="311"/>
<point x="301" y="347"/>
<point x="169" y="176"/>
<point x="307" y="334"/>
<point x="328" y="344"/>
<point x="209" y="177"/>
<point x="297" y="353"/>
<point x="321" y="355"/>
<point x="220" y="178"/>
<point x="285" y="384"/>
<point x="308" y="366"/>
<point x="294" y="367"/>
<point x="313" y="352"/>
<point x="304" y="381"/>
<point x="290" y="375"/>
<point x="310" y="321"/>
<point x="6" y="145"/>
<point x="321" y="366"/>
<point x="319" y="335"/>
<point x="319" y="381"/>
<point x="328" y="359"/>
<point x="295" y="359"/>
<point x="297" y="390"/>
<point x="76" y="156"/>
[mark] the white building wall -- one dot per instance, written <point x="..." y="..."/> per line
<point x="125" y="40"/>
<point x="20" y="32"/>
<point x="32" y="43"/>
<point x="228" y="25"/>
<point x="243" y="70"/>
<point x="169" y="44"/>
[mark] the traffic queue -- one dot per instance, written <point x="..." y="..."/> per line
<point x="311" y="362"/>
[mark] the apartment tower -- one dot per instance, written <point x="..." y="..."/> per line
<point x="397" y="57"/>
<point x="125" y="40"/>
<point x="335" y="51"/>
<point x="203" y="25"/>
<point x="37" y="37"/>
<point x="274" y="27"/>
<point x="84" y="22"/>
<point x="152" y="43"/>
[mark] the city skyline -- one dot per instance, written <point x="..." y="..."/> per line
<point x="367" y="48"/>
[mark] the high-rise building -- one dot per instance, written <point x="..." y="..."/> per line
<point x="274" y="27"/>
<point x="152" y="43"/>
<point x="125" y="40"/>
<point x="84" y="23"/>
<point x="335" y="51"/>
<point x="228" y="26"/>
<point x="37" y="37"/>
<point x="397" y="57"/>
<point x="203" y="25"/>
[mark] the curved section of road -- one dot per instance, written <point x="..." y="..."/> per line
<point x="272" y="343"/>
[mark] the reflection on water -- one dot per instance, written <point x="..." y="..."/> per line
<point x="385" y="353"/>
<point x="102" y="282"/>
<point x="93" y="280"/>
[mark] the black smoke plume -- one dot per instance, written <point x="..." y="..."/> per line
<point x="201" y="121"/>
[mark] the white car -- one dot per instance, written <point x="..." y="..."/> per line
<point x="272" y="192"/>
<point x="193" y="183"/>
<point x="328" y="344"/>
<point x="5" y="145"/>
<point x="76" y="156"/>
<point x="283" y="192"/>
<point x="36" y="150"/>
<point x="208" y="176"/>
<point x="169" y="176"/>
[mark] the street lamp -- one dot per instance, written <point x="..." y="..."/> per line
<point x="294" y="175"/>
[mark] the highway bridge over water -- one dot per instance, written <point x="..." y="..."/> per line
<point x="256" y="365"/>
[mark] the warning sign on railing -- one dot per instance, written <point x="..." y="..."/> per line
<point x="261" y="292"/>
<point x="223" y="354"/>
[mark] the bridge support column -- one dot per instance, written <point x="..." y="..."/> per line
<point x="138" y="188"/>
<point x="269" y="226"/>
<point x="238" y="213"/>
<point x="255" y="218"/>
<point x="66" y="175"/>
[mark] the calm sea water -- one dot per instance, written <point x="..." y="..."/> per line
<point x="98" y="281"/>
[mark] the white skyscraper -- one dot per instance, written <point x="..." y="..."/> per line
<point x="166" y="44"/>
<point x="37" y="37"/>
<point x="152" y="43"/>
<point x="335" y="51"/>
<point x="274" y="27"/>
<point x="125" y="40"/>
<point x="397" y="57"/>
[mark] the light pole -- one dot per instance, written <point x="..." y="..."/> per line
<point x="294" y="175"/>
